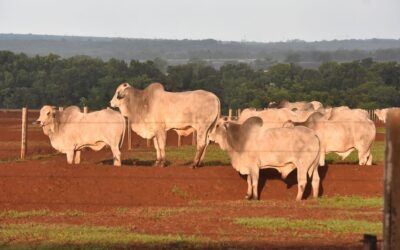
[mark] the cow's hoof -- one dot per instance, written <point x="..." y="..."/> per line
<point x="156" y="163"/>
<point x="247" y="197"/>
<point x="162" y="164"/>
<point x="254" y="198"/>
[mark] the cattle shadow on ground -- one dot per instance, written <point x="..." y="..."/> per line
<point x="133" y="162"/>
<point x="291" y="180"/>
<point x="209" y="163"/>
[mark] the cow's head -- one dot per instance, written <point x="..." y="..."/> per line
<point x="47" y="119"/>
<point x="219" y="133"/>
<point x="120" y="98"/>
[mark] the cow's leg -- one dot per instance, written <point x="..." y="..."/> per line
<point x="249" y="188"/>
<point x="70" y="156"/>
<point x="161" y="142"/>
<point x="369" y="161"/>
<point x="116" y="155"/>
<point x="315" y="182"/>
<point x="363" y="157"/>
<point x="301" y="181"/>
<point x="77" y="157"/>
<point x="201" y="147"/>
<point x="158" y="160"/>
<point x="254" y="182"/>
<point x="321" y="158"/>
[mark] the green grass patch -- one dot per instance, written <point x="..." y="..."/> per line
<point x="13" y="214"/>
<point x="381" y="130"/>
<point x="350" y="202"/>
<point x="172" y="211"/>
<point x="330" y="225"/>
<point x="181" y="155"/>
<point x="378" y="155"/>
<point x="214" y="155"/>
<point x="72" y="235"/>
<point x="177" y="191"/>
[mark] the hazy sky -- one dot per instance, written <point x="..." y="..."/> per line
<point x="251" y="20"/>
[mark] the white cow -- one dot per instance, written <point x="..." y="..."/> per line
<point x="341" y="130"/>
<point x="252" y="147"/>
<point x="71" y="130"/>
<point x="153" y="111"/>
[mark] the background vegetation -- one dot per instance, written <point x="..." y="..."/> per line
<point x="82" y="80"/>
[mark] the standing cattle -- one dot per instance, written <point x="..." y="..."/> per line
<point x="252" y="147"/>
<point x="71" y="130"/>
<point x="341" y="130"/>
<point x="153" y="111"/>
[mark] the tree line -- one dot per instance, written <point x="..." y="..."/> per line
<point x="82" y="80"/>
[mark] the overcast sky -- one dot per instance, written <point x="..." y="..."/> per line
<point x="233" y="20"/>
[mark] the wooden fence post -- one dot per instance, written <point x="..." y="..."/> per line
<point x="238" y="113"/>
<point x="23" y="133"/>
<point x="391" y="222"/>
<point x="60" y="108"/>
<point x="194" y="138"/>
<point x="128" y="126"/>
<point x="179" y="140"/>
<point x="85" y="109"/>
<point x="229" y="114"/>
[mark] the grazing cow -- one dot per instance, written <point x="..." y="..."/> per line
<point x="71" y="130"/>
<point x="302" y="106"/>
<point x="341" y="130"/>
<point x="153" y="111"/>
<point x="275" y="118"/>
<point x="252" y="147"/>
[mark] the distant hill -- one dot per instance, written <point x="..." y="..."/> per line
<point x="180" y="51"/>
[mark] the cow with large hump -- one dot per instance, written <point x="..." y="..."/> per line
<point x="252" y="147"/>
<point x="153" y="111"/>
<point x="70" y="131"/>
<point x="341" y="130"/>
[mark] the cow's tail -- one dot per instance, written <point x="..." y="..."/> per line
<point x="123" y="132"/>
<point x="315" y="163"/>
<point x="214" y="123"/>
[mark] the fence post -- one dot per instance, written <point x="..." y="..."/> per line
<point x="85" y="109"/>
<point x="60" y="108"/>
<point x="391" y="223"/>
<point x="23" y="133"/>
<point x="238" y="113"/>
<point x="129" y="134"/>
<point x="194" y="138"/>
<point x="229" y="114"/>
<point x="179" y="140"/>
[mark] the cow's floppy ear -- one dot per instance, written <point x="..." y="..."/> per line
<point x="120" y="95"/>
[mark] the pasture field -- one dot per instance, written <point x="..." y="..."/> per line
<point x="48" y="204"/>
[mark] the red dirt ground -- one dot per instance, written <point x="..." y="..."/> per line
<point x="98" y="189"/>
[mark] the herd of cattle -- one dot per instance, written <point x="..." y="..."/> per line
<point x="284" y="136"/>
